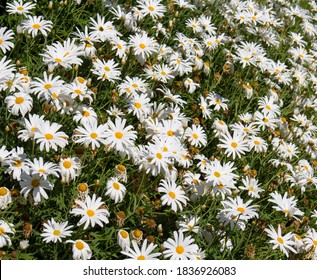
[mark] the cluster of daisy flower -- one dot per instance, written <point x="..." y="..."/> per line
<point x="168" y="126"/>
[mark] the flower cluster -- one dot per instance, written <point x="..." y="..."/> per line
<point x="159" y="129"/>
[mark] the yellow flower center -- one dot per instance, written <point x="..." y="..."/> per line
<point x="268" y="107"/>
<point x="56" y="232"/>
<point x="135" y="85"/>
<point x="86" y="113"/>
<point x="298" y="237"/>
<point x="47" y="86"/>
<point x="137" y="233"/>
<point x="163" y="73"/>
<point x="119" y="46"/>
<point x="67" y="164"/>
<point x="36" y="26"/>
<point x="124" y="234"/>
<point x="137" y="105"/>
<point x="170" y="133"/>
<point x="118" y="134"/>
<point x="80" y="80"/>
<point x="90" y="213"/>
<point x="18" y="163"/>
<point x="151" y="8"/>
<point x="79" y="245"/>
<point x="58" y="60"/>
<point x="280" y="240"/>
<point x="172" y="195"/>
<point x="78" y="91"/>
<point x="159" y="156"/>
<point x="82" y="187"/>
<point x="20" y="8"/>
<point x="19" y="100"/>
<point x="256" y="142"/>
<point x="116" y="186"/>
<point x="41" y="170"/>
<point x="142" y="46"/>
<point x="241" y="209"/>
<point x="121" y="168"/>
<point x="2" y="231"/>
<point x="234" y="145"/>
<point x="107" y="69"/>
<point x="35" y="183"/>
<point x="217" y="174"/>
<point x="48" y="136"/>
<point x="141" y="258"/>
<point x="93" y="135"/>
<point x="195" y="136"/>
<point x="315" y="242"/>
<point x="180" y="249"/>
<point x="54" y="95"/>
<point x="3" y="191"/>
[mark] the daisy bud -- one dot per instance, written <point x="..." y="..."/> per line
<point x="228" y="68"/>
<point x="160" y="228"/>
<point x="176" y="14"/>
<point x="5" y="197"/>
<point x="50" y="5"/>
<point x="76" y="67"/>
<point x="7" y="128"/>
<point x="63" y="181"/>
<point x="151" y="223"/>
<point x="170" y="24"/>
<point x="250" y="251"/>
<point x="150" y="238"/>
<point x="120" y="218"/>
<point x="88" y="84"/>
<point x="123" y="61"/>
<point x="121" y="173"/>
<point x="15" y="193"/>
<point x="24" y="244"/>
<point x="51" y="68"/>
<point x="27" y="230"/>
<point x="13" y="255"/>
<point x="137" y="235"/>
<point x="123" y="239"/>
<point x="82" y="187"/>
<point x="19" y="30"/>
